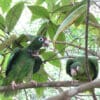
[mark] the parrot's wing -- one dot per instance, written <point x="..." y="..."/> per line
<point x="94" y="66"/>
<point x="68" y="64"/>
<point x="13" y="58"/>
<point x="37" y="64"/>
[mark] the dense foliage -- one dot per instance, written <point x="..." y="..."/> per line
<point x="61" y="21"/>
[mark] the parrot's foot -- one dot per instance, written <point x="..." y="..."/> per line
<point x="33" y="82"/>
<point x="14" y="85"/>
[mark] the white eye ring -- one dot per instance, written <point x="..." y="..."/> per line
<point x="41" y="39"/>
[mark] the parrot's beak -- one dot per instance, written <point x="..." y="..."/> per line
<point x="73" y="72"/>
<point x="46" y="43"/>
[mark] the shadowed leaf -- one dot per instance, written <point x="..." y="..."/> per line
<point x="13" y="15"/>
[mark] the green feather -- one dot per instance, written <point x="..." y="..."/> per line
<point x="22" y="64"/>
<point x="81" y="74"/>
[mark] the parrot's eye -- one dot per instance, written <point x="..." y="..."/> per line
<point x="41" y="39"/>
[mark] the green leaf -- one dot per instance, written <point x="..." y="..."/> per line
<point x="43" y="28"/>
<point x="51" y="55"/>
<point x="92" y="18"/>
<point x="81" y="19"/>
<point x="51" y="30"/>
<point x="7" y="42"/>
<point x="97" y="37"/>
<point x="34" y="17"/>
<point x="2" y="97"/>
<point x="63" y="9"/>
<point x="22" y="40"/>
<point x="67" y="9"/>
<point x="13" y="16"/>
<point x="70" y="20"/>
<point x="40" y="76"/>
<point x="39" y="2"/>
<point x="39" y="11"/>
<point x="5" y="61"/>
<point x="51" y="4"/>
<point x="64" y="2"/>
<point x="78" y="4"/>
<point x="2" y="23"/>
<point x="61" y="47"/>
<point x="25" y="38"/>
<point x="5" y="5"/>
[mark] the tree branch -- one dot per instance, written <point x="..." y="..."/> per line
<point x="82" y="48"/>
<point x="44" y="84"/>
<point x="62" y="96"/>
<point x="66" y="95"/>
<point x="86" y="46"/>
<point x="96" y="4"/>
<point x="94" y="24"/>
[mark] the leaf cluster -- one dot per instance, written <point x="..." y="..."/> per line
<point x="61" y="21"/>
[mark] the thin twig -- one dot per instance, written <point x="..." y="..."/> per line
<point x="86" y="47"/>
<point x="26" y="94"/>
<point x="86" y="42"/>
<point x="87" y="95"/>
<point x="94" y="24"/>
<point x="82" y="48"/>
<point x="96" y="4"/>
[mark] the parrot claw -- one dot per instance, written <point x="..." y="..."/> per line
<point x="33" y="82"/>
<point x="13" y="85"/>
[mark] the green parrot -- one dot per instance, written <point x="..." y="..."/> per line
<point x="76" y="68"/>
<point x="23" y="63"/>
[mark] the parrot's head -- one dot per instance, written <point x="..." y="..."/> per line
<point x="40" y="41"/>
<point x="75" y="69"/>
<point x="36" y="44"/>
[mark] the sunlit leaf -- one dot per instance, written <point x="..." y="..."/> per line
<point x="70" y="20"/>
<point x="64" y="2"/>
<point x="34" y="17"/>
<point x="40" y="76"/>
<point x="7" y="42"/>
<point x="13" y="15"/>
<point x="6" y="61"/>
<point x="39" y="2"/>
<point x="51" y="30"/>
<point x="5" y="5"/>
<point x="43" y="28"/>
<point x="39" y="11"/>
<point x="98" y="38"/>
<point x="61" y="47"/>
<point x="81" y="19"/>
<point x="52" y="57"/>
<point x="92" y="18"/>
<point x="2" y="23"/>
<point x="22" y="40"/>
<point x="2" y="97"/>
<point x="51" y="4"/>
